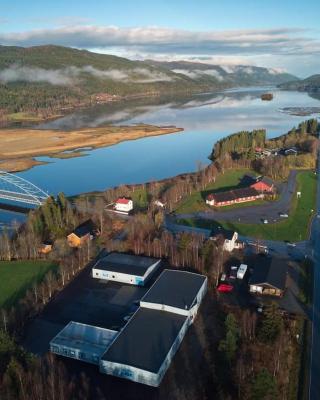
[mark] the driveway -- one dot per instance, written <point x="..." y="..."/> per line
<point x="314" y="388"/>
<point x="254" y="214"/>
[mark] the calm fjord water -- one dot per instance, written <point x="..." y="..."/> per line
<point x="205" y="119"/>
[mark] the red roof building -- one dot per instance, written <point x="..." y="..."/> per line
<point x="122" y="200"/>
<point x="263" y="185"/>
<point x="234" y="196"/>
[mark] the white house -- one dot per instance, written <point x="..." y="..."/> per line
<point x="125" y="268"/>
<point x="123" y="205"/>
<point x="230" y="239"/>
<point x="159" y="203"/>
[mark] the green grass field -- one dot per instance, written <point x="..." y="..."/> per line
<point x="294" y="228"/>
<point x="16" y="277"/>
<point x="229" y="180"/>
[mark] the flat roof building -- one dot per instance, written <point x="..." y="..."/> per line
<point x="125" y="268"/>
<point x="175" y="291"/>
<point x="82" y="342"/>
<point x="143" y="350"/>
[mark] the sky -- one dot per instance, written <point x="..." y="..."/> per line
<point x="276" y="34"/>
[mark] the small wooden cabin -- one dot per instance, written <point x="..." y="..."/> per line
<point x="84" y="232"/>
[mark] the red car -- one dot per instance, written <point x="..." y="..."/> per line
<point x="224" y="288"/>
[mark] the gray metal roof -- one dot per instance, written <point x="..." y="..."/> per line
<point x="84" y="337"/>
<point x="146" y="340"/>
<point x="125" y="263"/>
<point x="175" y="288"/>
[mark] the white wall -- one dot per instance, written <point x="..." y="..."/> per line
<point x="192" y="312"/>
<point x="117" y="277"/>
<point x="256" y="289"/>
<point x="78" y="354"/>
<point x="125" y="278"/>
<point x="124" y="207"/>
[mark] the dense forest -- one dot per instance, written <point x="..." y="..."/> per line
<point x="238" y="143"/>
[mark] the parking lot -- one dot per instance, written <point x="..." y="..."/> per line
<point x="85" y="300"/>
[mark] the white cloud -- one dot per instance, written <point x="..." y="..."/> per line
<point x="294" y="47"/>
<point x="70" y="75"/>
<point x="198" y="73"/>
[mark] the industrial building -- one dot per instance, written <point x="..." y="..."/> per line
<point x="175" y="291"/>
<point x="82" y="342"/>
<point x="125" y="268"/>
<point x="143" y="349"/>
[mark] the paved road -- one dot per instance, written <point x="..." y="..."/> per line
<point x="254" y="214"/>
<point x="314" y="388"/>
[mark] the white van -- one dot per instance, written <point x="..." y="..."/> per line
<point x="242" y="271"/>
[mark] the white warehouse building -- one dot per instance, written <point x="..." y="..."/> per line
<point x="144" y="349"/>
<point x="125" y="268"/>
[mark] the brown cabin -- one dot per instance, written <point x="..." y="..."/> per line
<point x="84" y="232"/>
<point x="45" y="247"/>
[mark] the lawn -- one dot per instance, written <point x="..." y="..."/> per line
<point x="294" y="228"/>
<point x="16" y="277"/>
<point x="224" y="182"/>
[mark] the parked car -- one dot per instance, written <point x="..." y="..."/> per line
<point x="242" y="271"/>
<point x="225" y="288"/>
<point x="265" y="221"/>
<point x="291" y="244"/>
<point x="233" y="274"/>
<point x="283" y="215"/>
<point x="223" y="277"/>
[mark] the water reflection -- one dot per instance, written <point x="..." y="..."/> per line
<point x="205" y="119"/>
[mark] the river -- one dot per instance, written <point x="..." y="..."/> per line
<point x="205" y="119"/>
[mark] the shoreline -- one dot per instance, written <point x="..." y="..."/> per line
<point x="19" y="146"/>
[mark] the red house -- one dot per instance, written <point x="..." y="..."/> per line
<point x="263" y="185"/>
<point x="234" y="196"/>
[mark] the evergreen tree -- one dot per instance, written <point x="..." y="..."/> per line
<point x="229" y="344"/>
<point x="271" y="325"/>
<point x="264" y="386"/>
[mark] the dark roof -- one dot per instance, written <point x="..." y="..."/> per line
<point x="175" y="288"/>
<point x="126" y="263"/>
<point x="85" y="228"/>
<point x="270" y="271"/>
<point x="226" y="233"/>
<point x="146" y="340"/>
<point x="233" y="194"/>
<point x="249" y="179"/>
<point x="267" y="181"/>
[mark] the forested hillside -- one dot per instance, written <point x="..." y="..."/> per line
<point x="46" y="80"/>
<point x="233" y="75"/>
<point x="310" y="84"/>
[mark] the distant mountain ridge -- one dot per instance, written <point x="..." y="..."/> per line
<point x="235" y="75"/>
<point x="46" y="79"/>
<point x="310" y="84"/>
